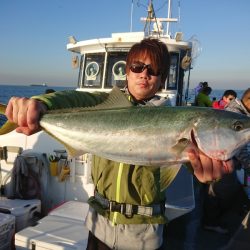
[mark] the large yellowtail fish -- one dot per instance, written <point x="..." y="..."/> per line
<point x="153" y="136"/>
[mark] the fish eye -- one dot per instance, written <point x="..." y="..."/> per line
<point x="237" y="126"/>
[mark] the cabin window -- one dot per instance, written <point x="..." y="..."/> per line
<point x="93" y="70"/>
<point x="173" y="72"/>
<point x="116" y="70"/>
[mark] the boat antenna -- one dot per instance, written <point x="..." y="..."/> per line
<point x="179" y="14"/>
<point x="150" y="17"/>
<point x="131" y="15"/>
<point x="169" y="15"/>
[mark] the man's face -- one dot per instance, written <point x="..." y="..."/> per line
<point x="143" y="85"/>
<point x="228" y="99"/>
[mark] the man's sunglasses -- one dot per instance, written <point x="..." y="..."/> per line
<point x="140" y="67"/>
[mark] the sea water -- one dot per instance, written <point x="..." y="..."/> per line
<point x="7" y="91"/>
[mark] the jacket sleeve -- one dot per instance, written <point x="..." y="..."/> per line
<point x="71" y="99"/>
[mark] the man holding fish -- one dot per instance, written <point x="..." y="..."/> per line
<point x="127" y="210"/>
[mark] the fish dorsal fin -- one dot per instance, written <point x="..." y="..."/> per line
<point x="116" y="99"/>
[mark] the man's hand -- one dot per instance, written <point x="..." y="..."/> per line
<point x="25" y="112"/>
<point x="207" y="169"/>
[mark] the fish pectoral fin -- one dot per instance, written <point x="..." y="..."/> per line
<point x="72" y="152"/>
<point x="180" y="146"/>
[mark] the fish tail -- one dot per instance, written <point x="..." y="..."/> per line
<point x="2" y="108"/>
<point x="7" y="126"/>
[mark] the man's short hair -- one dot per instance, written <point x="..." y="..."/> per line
<point x="230" y="92"/>
<point x="207" y="90"/>
<point x="156" y="50"/>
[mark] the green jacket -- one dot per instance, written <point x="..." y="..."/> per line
<point x="203" y="100"/>
<point x="123" y="183"/>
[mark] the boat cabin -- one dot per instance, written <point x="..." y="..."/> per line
<point x="102" y="63"/>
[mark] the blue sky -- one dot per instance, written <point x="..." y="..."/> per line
<point x="34" y="34"/>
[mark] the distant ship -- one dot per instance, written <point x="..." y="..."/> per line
<point x="39" y="85"/>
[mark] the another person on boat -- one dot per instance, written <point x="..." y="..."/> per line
<point x="127" y="209"/>
<point x="219" y="195"/>
<point x="227" y="97"/>
<point x="205" y="84"/>
<point x="223" y="194"/>
<point x="243" y="107"/>
<point x="199" y="87"/>
<point x="203" y="99"/>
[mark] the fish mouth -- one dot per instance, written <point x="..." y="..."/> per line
<point x="216" y="154"/>
<point x="195" y="143"/>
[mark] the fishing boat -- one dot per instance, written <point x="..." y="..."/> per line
<point x="43" y="192"/>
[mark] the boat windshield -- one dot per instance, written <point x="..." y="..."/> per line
<point x="116" y="70"/>
<point x="98" y="69"/>
<point x="106" y="70"/>
<point x="93" y="70"/>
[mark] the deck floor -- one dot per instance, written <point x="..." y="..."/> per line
<point x="234" y="219"/>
